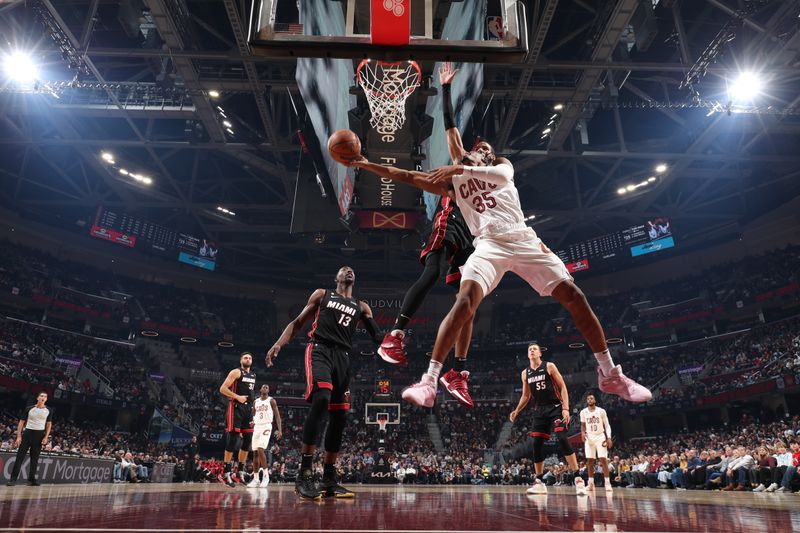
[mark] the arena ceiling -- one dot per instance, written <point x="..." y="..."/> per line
<point x="142" y="90"/>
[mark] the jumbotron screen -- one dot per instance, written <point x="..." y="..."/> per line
<point x="133" y="232"/>
<point x="619" y="247"/>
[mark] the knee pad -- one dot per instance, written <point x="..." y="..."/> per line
<point x="563" y="440"/>
<point x="538" y="449"/>
<point x="247" y="441"/>
<point x="333" y="436"/>
<point x="320" y="400"/>
<point x="232" y="443"/>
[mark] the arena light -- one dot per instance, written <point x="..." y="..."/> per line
<point x="147" y="181"/>
<point x="621" y="190"/>
<point x="558" y="107"/>
<point x="213" y="94"/>
<point x="230" y="131"/>
<point x="546" y="131"/>
<point x="225" y="344"/>
<point x="124" y="172"/>
<point x="20" y="67"/>
<point x="149" y="333"/>
<point x="745" y="88"/>
<point x="661" y="168"/>
<point x="651" y="179"/>
<point x="226" y="211"/>
<point x="227" y="124"/>
<point x="630" y="188"/>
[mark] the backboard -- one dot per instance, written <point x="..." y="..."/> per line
<point x="438" y="30"/>
<point x="374" y="410"/>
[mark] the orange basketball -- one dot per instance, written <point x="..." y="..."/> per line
<point x="344" y="146"/>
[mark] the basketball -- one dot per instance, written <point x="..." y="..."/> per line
<point x="344" y="146"/>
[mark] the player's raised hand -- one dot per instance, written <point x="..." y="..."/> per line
<point x="272" y="354"/>
<point x="446" y="73"/>
<point x="357" y="162"/>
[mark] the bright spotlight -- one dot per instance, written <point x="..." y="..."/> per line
<point x="558" y="107"/>
<point x="546" y="131"/>
<point x="651" y="179"/>
<point x="123" y="171"/>
<point x="20" y="67"/>
<point x="621" y="190"/>
<point x="147" y="181"/>
<point x="745" y="88"/>
<point x="661" y="168"/>
<point x="107" y="156"/>
<point x="213" y="94"/>
<point x="630" y="188"/>
<point x="227" y="124"/>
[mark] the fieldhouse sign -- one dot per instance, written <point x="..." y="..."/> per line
<point x="59" y="469"/>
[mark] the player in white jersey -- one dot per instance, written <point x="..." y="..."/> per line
<point x="596" y="436"/>
<point x="265" y="413"/>
<point x="488" y="199"/>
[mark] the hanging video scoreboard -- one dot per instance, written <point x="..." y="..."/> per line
<point x="133" y="232"/>
<point x="620" y="247"/>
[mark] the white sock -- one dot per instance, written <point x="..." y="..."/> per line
<point x="604" y="361"/>
<point x="434" y="369"/>
<point x="606" y="482"/>
<point x="398" y="333"/>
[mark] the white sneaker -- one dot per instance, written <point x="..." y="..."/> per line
<point x="580" y="486"/>
<point x="264" y="482"/>
<point x="537" y="488"/>
<point x="253" y="483"/>
<point x="772" y="488"/>
<point x="782" y="489"/>
<point x="760" y="488"/>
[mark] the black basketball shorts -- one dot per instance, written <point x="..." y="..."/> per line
<point x="328" y="367"/>
<point x="547" y="418"/>
<point x="239" y="417"/>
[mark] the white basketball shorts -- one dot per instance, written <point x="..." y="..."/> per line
<point x="595" y="447"/>
<point x="522" y="253"/>
<point x="261" y="437"/>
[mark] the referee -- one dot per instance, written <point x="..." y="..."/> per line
<point x="36" y="422"/>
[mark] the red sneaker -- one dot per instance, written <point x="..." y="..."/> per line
<point x="391" y="349"/>
<point x="457" y="384"/>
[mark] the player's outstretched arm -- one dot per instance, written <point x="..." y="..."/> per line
<point x="561" y="385"/>
<point x="454" y="144"/>
<point x="225" y="388"/>
<point x="295" y="325"/>
<point x="369" y="323"/>
<point x="523" y="401"/>
<point x="416" y="179"/>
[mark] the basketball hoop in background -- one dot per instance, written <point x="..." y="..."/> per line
<point x="387" y="86"/>
<point x="383" y="420"/>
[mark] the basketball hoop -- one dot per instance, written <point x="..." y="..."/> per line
<point x="387" y="86"/>
<point x="383" y="419"/>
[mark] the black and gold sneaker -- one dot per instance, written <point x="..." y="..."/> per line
<point x="330" y="488"/>
<point x="304" y="486"/>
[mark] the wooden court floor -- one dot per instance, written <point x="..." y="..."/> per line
<point x="392" y="509"/>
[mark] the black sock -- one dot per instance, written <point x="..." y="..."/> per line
<point x="306" y="460"/>
<point x="227" y="468"/>
<point x="401" y="322"/>
<point x="328" y="471"/>
<point x="461" y="364"/>
<point x="240" y="467"/>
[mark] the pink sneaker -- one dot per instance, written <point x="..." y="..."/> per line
<point x="621" y="385"/>
<point x="456" y="384"/>
<point x="391" y="349"/>
<point x="422" y="394"/>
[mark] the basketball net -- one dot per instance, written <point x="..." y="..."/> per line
<point x="382" y="421"/>
<point x="387" y="86"/>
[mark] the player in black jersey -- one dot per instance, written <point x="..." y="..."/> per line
<point x="544" y="383"/>
<point x="336" y="316"/>
<point x="450" y="243"/>
<point x="239" y="388"/>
